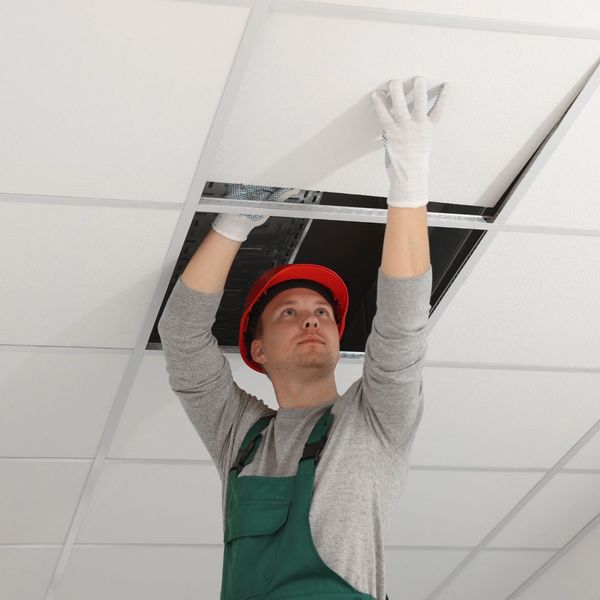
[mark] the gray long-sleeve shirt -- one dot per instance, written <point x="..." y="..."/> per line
<point x="365" y="462"/>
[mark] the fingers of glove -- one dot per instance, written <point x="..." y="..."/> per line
<point x="419" y="112"/>
<point x="236" y="226"/>
<point x="282" y="194"/>
<point x="399" y="106"/>
<point x="256" y="219"/>
<point x="440" y="102"/>
<point x="385" y="118"/>
<point x="399" y="113"/>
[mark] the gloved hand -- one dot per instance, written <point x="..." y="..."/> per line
<point x="407" y="140"/>
<point x="237" y="227"/>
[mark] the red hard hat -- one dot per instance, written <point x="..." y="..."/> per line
<point x="313" y="273"/>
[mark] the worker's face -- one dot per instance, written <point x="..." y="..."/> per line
<point x="288" y="318"/>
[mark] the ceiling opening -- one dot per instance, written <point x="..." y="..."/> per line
<point x="352" y="249"/>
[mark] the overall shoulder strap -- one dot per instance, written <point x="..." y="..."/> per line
<point x="318" y="437"/>
<point x="251" y="443"/>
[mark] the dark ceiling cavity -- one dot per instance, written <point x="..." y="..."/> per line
<point x="351" y="249"/>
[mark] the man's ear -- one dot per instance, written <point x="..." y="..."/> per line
<point x="256" y="351"/>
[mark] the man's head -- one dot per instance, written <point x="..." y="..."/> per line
<point x="308" y="281"/>
<point x="289" y="317"/>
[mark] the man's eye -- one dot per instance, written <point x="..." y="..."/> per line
<point x="324" y="310"/>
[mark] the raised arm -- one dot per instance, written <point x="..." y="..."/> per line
<point x="407" y="140"/>
<point x="208" y="269"/>
<point x="199" y="373"/>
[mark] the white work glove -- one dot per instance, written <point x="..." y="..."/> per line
<point x="407" y="140"/>
<point x="237" y="227"/>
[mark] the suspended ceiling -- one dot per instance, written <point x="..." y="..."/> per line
<point x="114" y="117"/>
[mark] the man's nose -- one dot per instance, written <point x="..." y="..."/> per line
<point x="311" y="321"/>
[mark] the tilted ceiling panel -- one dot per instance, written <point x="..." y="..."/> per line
<point x="576" y="13"/>
<point x="530" y="299"/>
<point x="111" y="99"/>
<point x="566" y="192"/>
<point x="79" y="276"/>
<point x="304" y="117"/>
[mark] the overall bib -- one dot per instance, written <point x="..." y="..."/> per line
<point x="269" y="552"/>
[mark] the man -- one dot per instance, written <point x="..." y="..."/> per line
<point x="307" y="490"/>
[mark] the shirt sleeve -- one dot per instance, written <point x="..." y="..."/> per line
<point x="200" y="375"/>
<point x="392" y="384"/>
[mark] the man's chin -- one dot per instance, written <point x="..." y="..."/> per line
<point x="316" y="365"/>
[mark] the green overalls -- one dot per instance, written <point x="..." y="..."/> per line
<point x="269" y="552"/>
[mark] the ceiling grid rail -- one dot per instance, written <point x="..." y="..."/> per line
<point x="407" y="17"/>
<point x="376" y="215"/>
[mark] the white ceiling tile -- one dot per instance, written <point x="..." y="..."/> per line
<point x="168" y="503"/>
<point x="93" y="277"/>
<point x="26" y="572"/>
<point x="121" y="107"/>
<point x="441" y="508"/>
<point x="567" y="502"/>
<point x="530" y="298"/>
<point x="348" y="370"/>
<point x="254" y="383"/>
<point x="500" y="418"/>
<point x="38" y="500"/>
<point x="153" y="423"/>
<point x="587" y="457"/>
<point x="579" y="13"/>
<point x="493" y="575"/>
<point x="300" y="121"/>
<point x="565" y="192"/>
<point x="138" y="573"/>
<point x="574" y="576"/>
<point x="413" y="574"/>
<point x="55" y="402"/>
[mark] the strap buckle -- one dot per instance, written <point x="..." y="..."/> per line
<point x="314" y="450"/>
<point x="242" y="455"/>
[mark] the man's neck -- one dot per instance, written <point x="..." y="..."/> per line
<point x="302" y="394"/>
